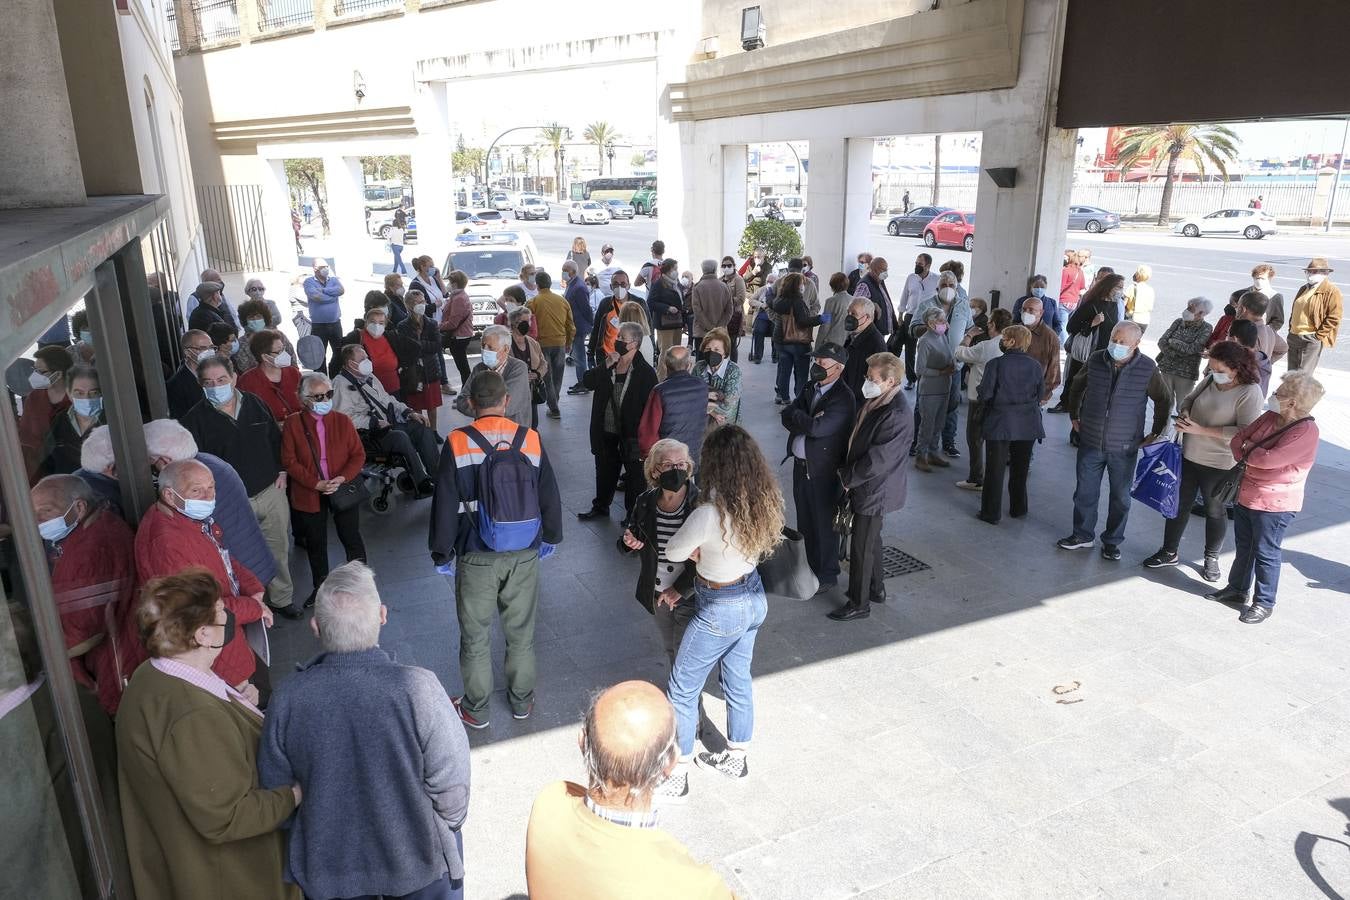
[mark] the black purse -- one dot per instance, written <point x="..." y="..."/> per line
<point x="350" y="494"/>
<point x="1226" y="488"/>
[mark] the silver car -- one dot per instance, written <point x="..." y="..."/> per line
<point x="1093" y="219"/>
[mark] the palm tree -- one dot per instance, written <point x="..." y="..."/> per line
<point x="601" y="134"/>
<point x="1198" y="144"/>
<point x="553" y="136"/>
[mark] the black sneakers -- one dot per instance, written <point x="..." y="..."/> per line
<point x="1111" y="552"/>
<point x="1162" y="559"/>
<point x="1211" y="571"/>
<point x="728" y="762"/>
<point x="1255" y="614"/>
<point x="1073" y="542"/>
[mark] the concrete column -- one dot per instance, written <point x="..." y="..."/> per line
<point x="433" y="178"/>
<point x="684" y="219"/>
<point x="838" y="201"/>
<point x="346" y="214"/>
<point x="39" y="159"/>
<point x="276" y="205"/>
<point x="735" y="198"/>
<point x="858" y="191"/>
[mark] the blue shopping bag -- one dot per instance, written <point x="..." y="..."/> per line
<point x="1157" y="477"/>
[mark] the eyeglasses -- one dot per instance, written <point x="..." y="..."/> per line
<point x="319" y="398"/>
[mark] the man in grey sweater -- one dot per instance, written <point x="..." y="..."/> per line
<point x="379" y="753"/>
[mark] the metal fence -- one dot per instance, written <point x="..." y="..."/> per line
<point x="232" y="224"/>
<point x="956" y="190"/>
<point x="277" y="14"/>
<point x="215" y="20"/>
<point x="356" y="7"/>
<point x="172" y="26"/>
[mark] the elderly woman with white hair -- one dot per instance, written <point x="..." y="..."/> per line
<point x="1276" y="452"/>
<point x="379" y="753"/>
<point x="321" y="452"/>
<point x="1182" y="346"/>
<point x="98" y="467"/>
<point x="496" y="356"/>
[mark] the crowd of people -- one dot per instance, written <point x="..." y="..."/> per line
<point x="253" y="790"/>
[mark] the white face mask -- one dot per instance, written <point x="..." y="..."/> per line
<point x="1187" y="315"/>
<point x="727" y="270"/>
<point x="39" y="381"/>
<point x="365" y="367"/>
<point x="419" y="309"/>
<point x="1316" y="278"/>
<point x="871" y="390"/>
<point x="283" y="359"/>
<point x="1261" y="284"/>
<point x="882" y="276"/>
<point x="1273" y="404"/>
<point x="1029" y="319"/>
<point x="684" y="282"/>
<point x="375" y="329"/>
<point x="947" y="294"/>
<point x="322" y="273"/>
<point x="620" y="292"/>
<point x="1221" y="377"/>
<point x="607" y="258"/>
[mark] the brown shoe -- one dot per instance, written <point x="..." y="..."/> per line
<point x="938" y="461"/>
<point x="921" y="463"/>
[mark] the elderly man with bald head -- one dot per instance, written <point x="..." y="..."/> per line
<point x="180" y="532"/>
<point x="601" y="841"/>
<point x="1108" y="403"/>
<point x="1045" y="343"/>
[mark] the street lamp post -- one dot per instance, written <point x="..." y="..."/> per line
<point x="562" y="171"/>
<point x="609" y="151"/>
<point x="493" y="145"/>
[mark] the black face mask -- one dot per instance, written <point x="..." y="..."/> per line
<point x="673" y="479"/>
<point x="918" y="270"/>
<point x="523" y="327"/>
<point x="229" y="632"/>
<point x="818" y="373"/>
<point x="714" y="359"/>
<point x="850" y="323"/>
<point x="621" y="347"/>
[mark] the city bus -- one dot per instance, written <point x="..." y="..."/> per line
<point x="637" y="190"/>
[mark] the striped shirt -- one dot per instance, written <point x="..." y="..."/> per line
<point x="667" y="523"/>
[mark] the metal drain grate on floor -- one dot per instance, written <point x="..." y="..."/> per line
<point x="895" y="561"/>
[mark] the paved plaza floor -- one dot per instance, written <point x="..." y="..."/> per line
<point x="926" y="752"/>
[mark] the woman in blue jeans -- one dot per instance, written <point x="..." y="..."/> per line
<point x="739" y="524"/>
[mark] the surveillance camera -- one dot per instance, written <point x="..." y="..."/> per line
<point x="360" y="94"/>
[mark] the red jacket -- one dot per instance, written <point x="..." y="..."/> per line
<point x="300" y="444"/>
<point x="94" y="585"/>
<point x="38" y="415"/>
<point x="282" y="398"/>
<point x="168" y="542"/>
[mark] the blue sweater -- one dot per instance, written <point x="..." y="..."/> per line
<point x="383" y="764"/>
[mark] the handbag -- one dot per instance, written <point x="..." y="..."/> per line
<point x="1226" y="488"/>
<point x="843" y="525"/>
<point x="349" y="494"/>
<point x="786" y="571"/>
<point x="1080" y="348"/>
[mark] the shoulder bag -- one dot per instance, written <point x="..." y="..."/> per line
<point x="1226" y="488"/>
<point x="349" y="494"/>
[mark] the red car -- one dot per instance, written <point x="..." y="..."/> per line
<point x="954" y="229"/>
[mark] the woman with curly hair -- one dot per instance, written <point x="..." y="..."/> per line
<point x="738" y="524"/>
<point x="1226" y="401"/>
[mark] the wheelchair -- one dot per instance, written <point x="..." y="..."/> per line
<point x="383" y="472"/>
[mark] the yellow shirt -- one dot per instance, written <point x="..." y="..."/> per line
<point x="573" y="854"/>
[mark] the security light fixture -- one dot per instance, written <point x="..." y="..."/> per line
<point x="753" y="28"/>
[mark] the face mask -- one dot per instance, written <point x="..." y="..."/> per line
<point x="818" y="373"/>
<point x="727" y="270"/>
<point x="219" y="394"/>
<point x="871" y="390"/>
<point x="1117" y="295"/>
<point x="375" y="330"/>
<point x="88" y="407"/>
<point x="1187" y="315"/>
<point x="530" y="281"/>
<point x="323" y="407"/>
<point x="806" y="270"/>
<point x="234" y="347"/>
<point x="684" y="282"/>
<point x="87" y="337"/>
<point x="1221" y="377"/>
<point x="283" y="359"/>
<point x="255" y="324"/>
<point x="55" y="530"/>
<point x="522" y="328"/>
<point x="490" y="358"/>
<point x="850" y="323"/>
<point x="510" y="306"/>
<point x="39" y="381"/>
<point x="323" y="273"/>
<point x="1038" y="293"/>
<point x="229" y="631"/>
<point x="1119" y="352"/>
<point x="419" y="309"/>
<point x="621" y="348"/>
<point x="1261" y="284"/>
<point x="1029" y="319"/>
<point x="714" y="359"/>
<point x="398" y="291"/>
<point x="882" y="276"/>
<point x="607" y="257"/>
<point x="918" y="270"/>
<point x="1316" y="277"/>
<point x="196" y="509"/>
<point x="205" y="354"/>
<point x="1273" y="404"/>
<point x="946" y="294"/>
<point x="620" y="292"/>
<point x="940" y="328"/>
<point x="673" y="479"/>
<point x="365" y="368"/>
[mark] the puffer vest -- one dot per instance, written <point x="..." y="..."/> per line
<point x="1111" y="417"/>
<point x="684" y="404"/>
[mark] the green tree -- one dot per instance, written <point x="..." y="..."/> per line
<point x="387" y="168"/>
<point x="553" y="137"/>
<point x="1198" y="144"/>
<point x="779" y="239"/>
<point x="307" y="175"/>
<point x="468" y="161"/>
<point x="601" y="134"/>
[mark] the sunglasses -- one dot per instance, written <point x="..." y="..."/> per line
<point x="319" y="398"/>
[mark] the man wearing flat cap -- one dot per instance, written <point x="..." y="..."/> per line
<point x="1315" y="318"/>
<point x="819" y="423"/>
<point x="211" y="309"/>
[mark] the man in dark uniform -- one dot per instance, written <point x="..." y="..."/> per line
<point x="819" y="423"/>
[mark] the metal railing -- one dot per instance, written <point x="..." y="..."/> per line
<point x="215" y="20"/>
<point x="232" y="223"/>
<point x="172" y="26"/>
<point x="274" y="15"/>
<point x="357" y="7"/>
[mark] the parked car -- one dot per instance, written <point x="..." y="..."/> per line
<point x="492" y="260"/>
<point x="587" y="212"/>
<point x="793" y="207"/>
<point x="619" y="209"/>
<point x="951" y="229"/>
<point x="379" y="222"/>
<point x="1092" y="218"/>
<point x="501" y="202"/>
<point x="911" y="224"/>
<point x="467" y="220"/>
<point x="1253" y="224"/>
<point x="532" y="206"/>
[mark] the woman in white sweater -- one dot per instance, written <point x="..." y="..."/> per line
<point x="1227" y="400"/>
<point x="738" y="524"/>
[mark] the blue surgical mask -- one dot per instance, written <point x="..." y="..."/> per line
<point x="87" y="337"/>
<point x="490" y="358"/>
<point x="55" y="530"/>
<point x="255" y="324"/>
<point x="219" y="393"/>
<point x="89" y="407"/>
<point x="1118" y="351"/>
<point x="1038" y="292"/>
<point x="323" y="407"/>
<point x="234" y="346"/>
<point x="196" y="509"/>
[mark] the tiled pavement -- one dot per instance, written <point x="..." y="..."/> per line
<point x="924" y="753"/>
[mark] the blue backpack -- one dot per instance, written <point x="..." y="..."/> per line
<point x="508" y="494"/>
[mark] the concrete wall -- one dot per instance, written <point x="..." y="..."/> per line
<point x="794" y="20"/>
